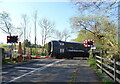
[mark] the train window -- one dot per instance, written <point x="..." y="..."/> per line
<point x="61" y="43"/>
<point x="70" y="48"/>
<point x="61" y="50"/>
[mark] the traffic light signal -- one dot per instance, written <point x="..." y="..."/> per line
<point x="12" y="39"/>
<point x="88" y="43"/>
<point x="8" y="39"/>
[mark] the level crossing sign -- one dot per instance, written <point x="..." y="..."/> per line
<point x="88" y="43"/>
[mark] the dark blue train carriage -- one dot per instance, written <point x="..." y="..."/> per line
<point x="62" y="49"/>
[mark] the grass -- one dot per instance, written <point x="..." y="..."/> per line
<point x="2" y="45"/>
<point x="73" y="77"/>
<point x="9" y="62"/>
<point x="91" y="63"/>
<point x="104" y="80"/>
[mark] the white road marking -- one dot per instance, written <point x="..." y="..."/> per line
<point x="0" y="74"/>
<point x="25" y="68"/>
<point x="40" y="69"/>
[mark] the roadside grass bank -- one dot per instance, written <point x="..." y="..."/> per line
<point x="8" y="61"/>
<point x="91" y="63"/>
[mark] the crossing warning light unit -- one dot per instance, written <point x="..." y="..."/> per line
<point x="88" y="43"/>
<point x="12" y="39"/>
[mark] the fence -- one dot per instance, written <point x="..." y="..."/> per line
<point x="110" y="67"/>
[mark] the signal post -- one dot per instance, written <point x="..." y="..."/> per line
<point x="12" y="39"/>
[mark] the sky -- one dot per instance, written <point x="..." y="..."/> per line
<point x="58" y="12"/>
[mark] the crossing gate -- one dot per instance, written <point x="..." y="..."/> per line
<point x="36" y="56"/>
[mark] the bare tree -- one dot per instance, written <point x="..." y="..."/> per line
<point x="19" y="32"/>
<point x="5" y="23"/>
<point x="6" y="26"/>
<point x="58" y="35"/>
<point x="47" y="29"/>
<point x="107" y="8"/>
<point x="35" y="25"/>
<point x="24" y="24"/>
<point x="65" y="34"/>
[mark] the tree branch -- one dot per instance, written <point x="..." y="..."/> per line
<point x="4" y="30"/>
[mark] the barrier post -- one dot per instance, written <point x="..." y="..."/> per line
<point x="101" y="60"/>
<point x="114" y="70"/>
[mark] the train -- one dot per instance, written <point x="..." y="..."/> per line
<point x="62" y="49"/>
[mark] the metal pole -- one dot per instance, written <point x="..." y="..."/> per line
<point x="11" y="52"/>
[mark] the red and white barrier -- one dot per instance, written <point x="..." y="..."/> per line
<point x="36" y="56"/>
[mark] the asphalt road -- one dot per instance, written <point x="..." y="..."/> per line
<point x="45" y="70"/>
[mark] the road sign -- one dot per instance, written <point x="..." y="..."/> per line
<point x="88" y="43"/>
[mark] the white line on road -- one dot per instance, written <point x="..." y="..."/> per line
<point x="0" y="74"/>
<point x="41" y="68"/>
<point x="25" y="68"/>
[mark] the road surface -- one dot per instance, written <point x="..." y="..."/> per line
<point x="44" y="70"/>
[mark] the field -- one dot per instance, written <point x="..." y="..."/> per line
<point x="3" y="45"/>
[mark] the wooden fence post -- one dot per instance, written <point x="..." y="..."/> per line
<point x="114" y="70"/>
<point x="101" y="60"/>
<point x="95" y="61"/>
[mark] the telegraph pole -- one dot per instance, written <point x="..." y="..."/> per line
<point x="35" y="29"/>
<point x="25" y="24"/>
<point x="24" y="36"/>
<point x="35" y="20"/>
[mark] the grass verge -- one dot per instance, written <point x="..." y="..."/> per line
<point x="8" y="61"/>
<point x="91" y="63"/>
<point x="73" y="77"/>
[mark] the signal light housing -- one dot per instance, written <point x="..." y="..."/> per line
<point x="12" y="39"/>
<point x="88" y="43"/>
